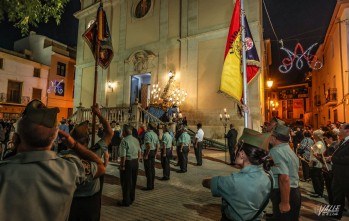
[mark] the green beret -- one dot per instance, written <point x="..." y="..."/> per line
<point x="255" y="138"/>
<point x="80" y="131"/>
<point x="38" y="113"/>
<point x="282" y="130"/>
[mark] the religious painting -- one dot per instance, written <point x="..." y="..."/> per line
<point x="142" y="8"/>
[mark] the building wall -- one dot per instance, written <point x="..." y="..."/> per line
<point x="186" y="37"/>
<point x="334" y="74"/>
<point x="50" y="52"/>
<point x="20" y="69"/>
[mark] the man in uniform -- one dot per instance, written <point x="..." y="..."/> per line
<point x="86" y="203"/>
<point x="151" y="142"/>
<point x="183" y="143"/>
<point x="130" y="153"/>
<point x="340" y="169"/>
<point x="285" y="196"/>
<point x="199" y="138"/>
<point x="272" y="124"/>
<point x="231" y="137"/>
<point x="37" y="184"/>
<point x="166" y="145"/>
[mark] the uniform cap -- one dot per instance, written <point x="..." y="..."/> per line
<point x="281" y="130"/>
<point x="38" y="113"/>
<point x="81" y="130"/>
<point x="275" y="119"/>
<point x="152" y="125"/>
<point x="255" y="138"/>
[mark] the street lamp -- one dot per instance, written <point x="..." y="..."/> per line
<point x="224" y="119"/>
<point x="269" y="85"/>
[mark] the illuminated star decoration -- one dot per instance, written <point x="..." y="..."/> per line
<point x="56" y="87"/>
<point x="297" y="57"/>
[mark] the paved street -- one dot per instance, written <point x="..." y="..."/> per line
<point x="182" y="197"/>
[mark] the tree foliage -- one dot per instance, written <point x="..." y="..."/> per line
<point x="26" y="13"/>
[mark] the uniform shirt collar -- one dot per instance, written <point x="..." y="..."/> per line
<point x="33" y="156"/>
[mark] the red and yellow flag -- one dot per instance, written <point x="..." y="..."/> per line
<point x="231" y="79"/>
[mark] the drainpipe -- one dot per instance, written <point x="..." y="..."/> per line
<point x="342" y="72"/>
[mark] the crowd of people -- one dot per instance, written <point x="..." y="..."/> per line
<point x="62" y="168"/>
<point x="58" y="165"/>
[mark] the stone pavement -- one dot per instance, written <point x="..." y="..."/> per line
<point x="182" y="197"/>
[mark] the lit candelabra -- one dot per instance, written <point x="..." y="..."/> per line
<point x="171" y="94"/>
<point x="177" y="97"/>
<point x="225" y="119"/>
<point x="155" y="94"/>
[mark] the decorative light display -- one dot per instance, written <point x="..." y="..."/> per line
<point x="297" y="57"/>
<point x="56" y="87"/>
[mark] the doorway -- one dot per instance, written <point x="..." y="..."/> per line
<point x="140" y="89"/>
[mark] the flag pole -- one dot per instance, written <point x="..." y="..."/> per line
<point x="96" y="44"/>
<point x="244" y="78"/>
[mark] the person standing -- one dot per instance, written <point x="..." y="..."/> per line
<point x="115" y="141"/>
<point x="166" y="145"/>
<point x="340" y="169"/>
<point x="240" y="200"/>
<point x="183" y="143"/>
<point x="86" y="203"/>
<point x="331" y="140"/>
<point x="38" y="184"/>
<point x="231" y="137"/>
<point x="198" y="144"/>
<point x="130" y="153"/>
<point x="316" y="165"/>
<point x="303" y="152"/>
<point x="151" y="142"/>
<point x="285" y="196"/>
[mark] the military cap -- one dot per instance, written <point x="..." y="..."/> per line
<point x="81" y="130"/>
<point x="152" y="125"/>
<point x="281" y="130"/>
<point x="255" y="138"/>
<point x="275" y="119"/>
<point x="38" y="113"/>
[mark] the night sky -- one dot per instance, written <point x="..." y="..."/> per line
<point x="295" y="21"/>
<point x="65" y="32"/>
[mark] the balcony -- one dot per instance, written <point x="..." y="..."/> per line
<point x="23" y="100"/>
<point x="331" y="96"/>
<point x="317" y="100"/>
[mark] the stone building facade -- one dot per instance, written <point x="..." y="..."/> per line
<point x="151" y="38"/>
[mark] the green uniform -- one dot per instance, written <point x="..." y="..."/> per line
<point x="286" y="162"/>
<point x="151" y="138"/>
<point x="50" y="180"/>
<point x="166" y="140"/>
<point x="243" y="193"/>
<point x="129" y="148"/>
<point x="184" y="138"/>
<point x="89" y="188"/>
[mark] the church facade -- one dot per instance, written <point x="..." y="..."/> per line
<point x="152" y="38"/>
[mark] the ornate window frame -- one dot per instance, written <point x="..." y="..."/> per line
<point x="146" y="15"/>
